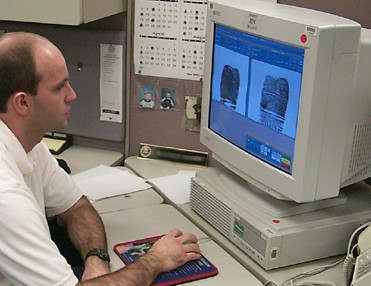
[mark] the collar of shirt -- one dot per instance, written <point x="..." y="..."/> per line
<point x="14" y="147"/>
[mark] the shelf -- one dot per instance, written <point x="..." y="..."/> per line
<point x="66" y="12"/>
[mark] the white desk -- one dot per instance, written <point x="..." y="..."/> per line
<point x="156" y="168"/>
<point x="81" y="159"/>
<point x="148" y="168"/>
<point x="130" y="201"/>
<point x="154" y="220"/>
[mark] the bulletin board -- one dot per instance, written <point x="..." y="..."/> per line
<point x="168" y="39"/>
<point x="81" y="48"/>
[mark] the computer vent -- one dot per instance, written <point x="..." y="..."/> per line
<point x="361" y="149"/>
<point x="360" y="161"/>
<point x="210" y="208"/>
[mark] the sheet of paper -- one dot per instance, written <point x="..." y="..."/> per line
<point x="95" y="172"/>
<point x="103" y="182"/>
<point x="111" y="77"/>
<point x="169" y="38"/>
<point x="175" y="187"/>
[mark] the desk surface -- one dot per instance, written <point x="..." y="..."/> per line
<point x="150" y="168"/>
<point x="129" y="201"/>
<point x="81" y="159"/>
<point x="155" y="168"/>
<point x="158" y="219"/>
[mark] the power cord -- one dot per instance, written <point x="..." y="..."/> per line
<point x="317" y="283"/>
<point x="348" y="266"/>
<point x="314" y="271"/>
<point x="270" y="283"/>
<point x="313" y="283"/>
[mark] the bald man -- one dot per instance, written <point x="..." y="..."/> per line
<point x="35" y="98"/>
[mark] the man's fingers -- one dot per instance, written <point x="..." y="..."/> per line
<point x="191" y="247"/>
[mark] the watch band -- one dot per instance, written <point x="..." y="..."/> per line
<point x="101" y="253"/>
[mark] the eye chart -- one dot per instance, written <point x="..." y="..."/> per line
<point x="169" y="38"/>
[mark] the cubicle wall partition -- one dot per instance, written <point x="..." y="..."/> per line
<point x="166" y="58"/>
<point x="82" y="50"/>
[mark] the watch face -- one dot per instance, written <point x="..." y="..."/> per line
<point x="103" y="254"/>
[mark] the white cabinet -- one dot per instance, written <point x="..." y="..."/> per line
<point x="63" y="12"/>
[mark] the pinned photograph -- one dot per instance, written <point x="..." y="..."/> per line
<point x="167" y="98"/>
<point x="192" y="113"/>
<point x="147" y="97"/>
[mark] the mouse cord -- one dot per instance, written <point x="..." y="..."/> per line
<point x="314" y="271"/>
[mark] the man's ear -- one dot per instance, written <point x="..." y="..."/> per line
<point x="20" y="102"/>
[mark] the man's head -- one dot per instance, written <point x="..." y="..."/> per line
<point x="17" y="66"/>
<point x="35" y="94"/>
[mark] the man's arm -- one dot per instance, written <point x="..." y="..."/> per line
<point x="171" y="251"/>
<point x="86" y="231"/>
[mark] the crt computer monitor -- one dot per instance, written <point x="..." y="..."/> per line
<point x="278" y="98"/>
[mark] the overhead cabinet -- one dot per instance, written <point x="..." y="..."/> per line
<point x="62" y="12"/>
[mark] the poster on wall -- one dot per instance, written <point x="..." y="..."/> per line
<point x="169" y="38"/>
<point x="111" y="82"/>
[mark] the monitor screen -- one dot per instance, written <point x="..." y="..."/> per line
<point x="255" y="90"/>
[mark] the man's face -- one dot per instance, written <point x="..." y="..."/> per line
<point x="55" y="94"/>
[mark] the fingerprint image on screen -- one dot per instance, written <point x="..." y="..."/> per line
<point x="229" y="86"/>
<point x="273" y="103"/>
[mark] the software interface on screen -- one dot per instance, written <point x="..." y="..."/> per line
<point x="255" y="97"/>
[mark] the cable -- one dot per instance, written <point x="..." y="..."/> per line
<point x="348" y="262"/>
<point x="203" y="239"/>
<point x="312" y="272"/>
<point x="352" y="253"/>
<point x="317" y="283"/>
<point x="354" y="237"/>
<point x="270" y="283"/>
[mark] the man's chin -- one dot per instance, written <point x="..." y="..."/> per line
<point x="62" y="127"/>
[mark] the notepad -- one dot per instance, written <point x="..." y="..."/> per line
<point x="193" y="270"/>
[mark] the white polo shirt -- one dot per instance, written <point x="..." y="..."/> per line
<point x="32" y="186"/>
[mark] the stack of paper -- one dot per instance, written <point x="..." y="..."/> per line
<point x="103" y="182"/>
<point x="177" y="188"/>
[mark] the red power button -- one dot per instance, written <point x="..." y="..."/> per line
<point x="303" y="38"/>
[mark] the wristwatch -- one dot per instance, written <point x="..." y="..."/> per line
<point x="101" y="253"/>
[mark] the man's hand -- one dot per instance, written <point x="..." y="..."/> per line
<point x="174" y="249"/>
